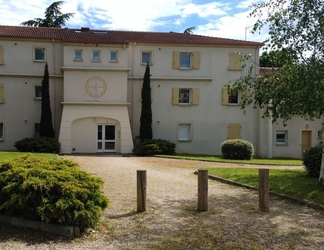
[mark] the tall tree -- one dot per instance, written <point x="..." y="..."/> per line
<point x="146" y="112"/>
<point x="189" y="30"/>
<point x="53" y="17"/>
<point x="46" y="126"/>
<point x="277" y="59"/>
<point x="297" y="87"/>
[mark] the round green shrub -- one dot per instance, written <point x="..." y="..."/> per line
<point x="53" y="191"/>
<point x="237" y="149"/>
<point x="39" y="145"/>
<point x="312" y="158"/>
<point x="154" y="147"/>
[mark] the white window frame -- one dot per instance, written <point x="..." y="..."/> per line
<point x="2" y="126"/>
<point x="183" y="99"/>
<point x="36" y="97"/>
<point x="283" y="137"/>
<point x="231" y="97"/>
<point x="76" y="56"/>
<point x="111" y="53"/>
<point x="94" y="57"/>
<point x="181" y="58"/>
<point x="150" y="53"/>
<point x="184" y="132"/>
<point x="35" y="53"/>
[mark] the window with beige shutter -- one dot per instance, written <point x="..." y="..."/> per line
<point x="232" y="99"/>
<point x="185" y="96"/>
<point x="1" y="55"/>
<point x="186" y="60"/>
<point x="1" y="93"/>
<point x="234" y="61"/>
<point x="234" y="131"/>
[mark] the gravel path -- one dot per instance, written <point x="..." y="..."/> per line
<point x="171" y="220"/>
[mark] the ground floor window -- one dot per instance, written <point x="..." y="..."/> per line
<point x="184" y="132"/>
<point x="1" y="131"/>
<point x="36" y="129"/>
<point x="282" y="137"/>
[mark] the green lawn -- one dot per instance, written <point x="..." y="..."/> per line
<point x="294" y="183"/>
<point x="259" y="161"/>
<point x="9" y="155"/>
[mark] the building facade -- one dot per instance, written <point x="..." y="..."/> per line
<point x="96" y="78"/>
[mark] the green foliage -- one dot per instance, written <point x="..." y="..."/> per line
<point x="277" y="59"/>
<point x="312" y="158"/>
<point x="53" y="191"/>
<point x="146" y="112"/>
<point x="53" y="17"/>
<point x="46" y="126"/>
<point x="39" y="145"/>
<point x="237" y="149"/>
<point x="154" y="147"/>
<point x="297" y="87"/>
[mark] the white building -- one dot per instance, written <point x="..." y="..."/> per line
<point x="95" y="91"/>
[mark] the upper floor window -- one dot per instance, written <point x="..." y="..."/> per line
<point x="186" y="60"/>
<point x="38" y="92"/>
<point x="146" y="57"/>
<point x="113" y="56"/>
<point x="1" y="131"/>
<point x="39" y="54"/>
<point x="282" y="138"/>
<point x="78" y="55"/>
<point x="96" y="55"/>
<point x="185" y="96"/>
<point x="230" y="99"/>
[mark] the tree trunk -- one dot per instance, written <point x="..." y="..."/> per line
<point x="321" y="176"/>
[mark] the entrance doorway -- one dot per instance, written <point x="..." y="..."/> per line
<point x="106" y="138"/>
<point x="306" y="140"/>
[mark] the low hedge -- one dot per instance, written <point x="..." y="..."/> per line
<point x="237" y="149"/>
<point x="38" y="145"/>
<point x="54" y="191"/>
<point x="154" y="147"/>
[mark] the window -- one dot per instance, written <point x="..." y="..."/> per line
<point x="39" y="54"/>
<point x="78" y="55"/>
<point x="1" y="93"/>
<point x="1" y="131"/>
<point x="146" y="57"/>
<point x="184" y="132"/>
<point x="233" y="99"/>
<point x="36" y="129"/>
<point x="320" y="135"/>
<point x="282" y="138"/>
<point x="96" y="55"/>
<point x="234" y="61"/>
<point x="113" y="56"/>
<point x="1" y="55"/>
<point x="185" y="96"/>
<point x="38" y="92"/>
<point x="186" y="60"/>
<point x="233" y="131"/>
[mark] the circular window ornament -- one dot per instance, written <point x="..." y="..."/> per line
<point x="96" y="87"/>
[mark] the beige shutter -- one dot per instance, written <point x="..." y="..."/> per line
<point x="175" y="96"/>
<point x="196" y="60"/>
<point x="1" y="55"/>
<point x="195" y="96"/>
<point x="176" y="60"/>
<point x="1" y="93"/>
<point x="234" y="131"/>
<point x="234" y="61"/>
<point x="224" y="96"/>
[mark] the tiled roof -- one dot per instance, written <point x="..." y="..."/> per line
<point x="85" y="35"/>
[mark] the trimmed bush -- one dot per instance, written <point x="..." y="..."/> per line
<point x="312" y="158"/>
<point x="39" y="145"/>
<point x="237" y="149"/>
<point x="154" y="147"/>
<point x="53" y="191"/>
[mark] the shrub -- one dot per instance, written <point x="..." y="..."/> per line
<point x="154" y="147"/>
<point x="237" y="149"/>
<point x="39" y="145"/>
<point x="54" y="191"/>
<point x="312" y="158"/>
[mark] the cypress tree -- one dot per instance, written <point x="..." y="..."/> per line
<point x="46" y="126"/>
<point x="146" y="113"/>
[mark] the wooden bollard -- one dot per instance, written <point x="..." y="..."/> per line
<point x="202" y="190"/>
<point x="141" y="190"/>
<point x="264" y="190"/>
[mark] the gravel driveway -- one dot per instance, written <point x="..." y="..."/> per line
<point x="171" y="220"/>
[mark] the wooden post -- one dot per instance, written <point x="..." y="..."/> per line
<point x="141" y="190"/>
<point x="202" y="190"/>
<point x="264" y="190"/>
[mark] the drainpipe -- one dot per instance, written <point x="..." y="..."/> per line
<point x="53" y="62"/>
<point x="132" y="100"/>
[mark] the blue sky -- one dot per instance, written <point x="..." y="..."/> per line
<point x="222" y="18"/>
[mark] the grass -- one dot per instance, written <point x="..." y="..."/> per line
<point x="9" y="155"/>
<point x="256" y="161"/>
<point x="295" y="183"/>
